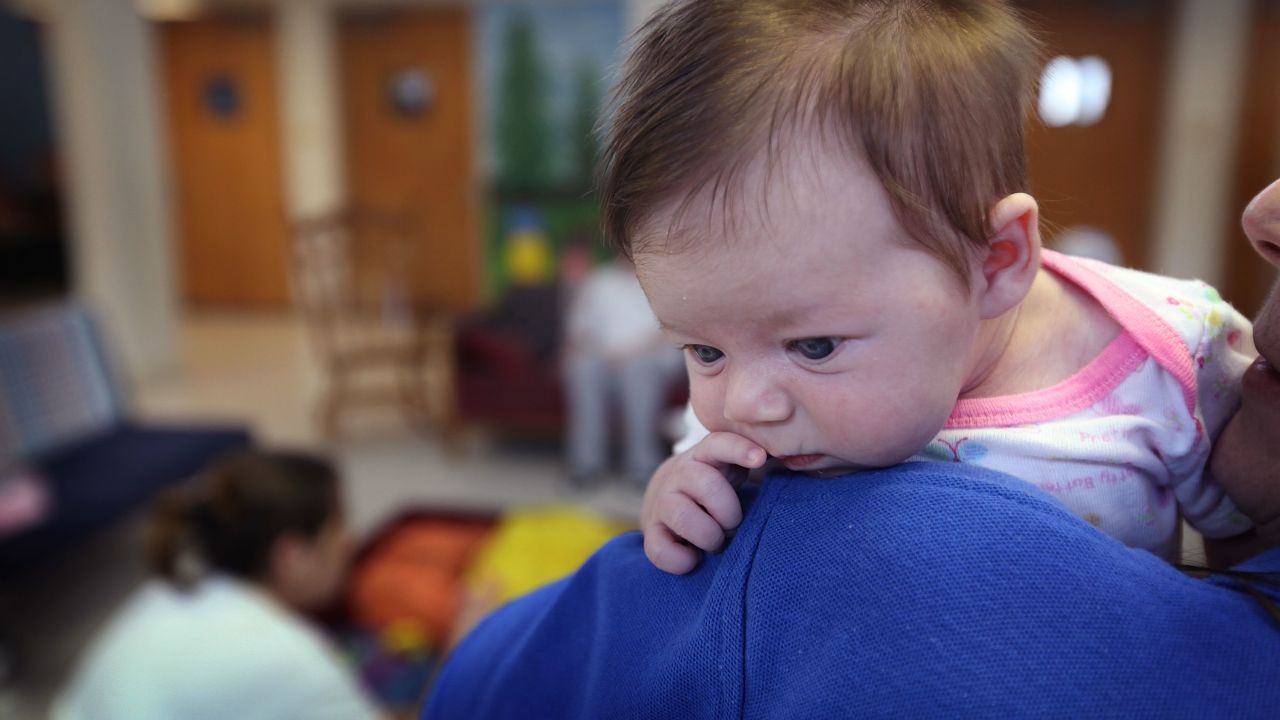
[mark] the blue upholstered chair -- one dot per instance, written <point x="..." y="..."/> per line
<point x="63" y="416"/>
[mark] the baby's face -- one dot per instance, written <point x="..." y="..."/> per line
<point x="818" y="330"/>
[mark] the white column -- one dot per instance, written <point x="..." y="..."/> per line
<point x="310" y="112"/>
<point x="1199" y="138"/>
<point x="106" y="105"/>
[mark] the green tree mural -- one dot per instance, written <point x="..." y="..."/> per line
<point x="583" y="137"/>
<point x="523" y="128"/>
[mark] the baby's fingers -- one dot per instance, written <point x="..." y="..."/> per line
<point x="714" y="492"/>
<point x="686" y="519"/>
<point x="667" y="553"/>
<point x="723" y="450"/>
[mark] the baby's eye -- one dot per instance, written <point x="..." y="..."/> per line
<point x="704" y="354"/>
<point x="814" y="348"/>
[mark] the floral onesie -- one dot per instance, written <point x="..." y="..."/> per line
<point x="1124" y="442"/>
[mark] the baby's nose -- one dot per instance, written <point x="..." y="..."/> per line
<point x="752" y="398"/>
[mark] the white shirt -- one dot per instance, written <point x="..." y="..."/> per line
<point x="222" y="650"/>
<point x="610" y="314"/>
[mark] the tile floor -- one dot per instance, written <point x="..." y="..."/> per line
<point x="258" y="369"/>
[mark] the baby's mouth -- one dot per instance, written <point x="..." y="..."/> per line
<point x="800" y="462"/>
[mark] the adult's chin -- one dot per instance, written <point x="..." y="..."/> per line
<point x="1266" y="327"/>
<point x="1246" y="456"/>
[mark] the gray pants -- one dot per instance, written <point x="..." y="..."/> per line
<point x="640" y="386"/>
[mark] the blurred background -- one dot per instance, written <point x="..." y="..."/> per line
<point x="358" y="226"/>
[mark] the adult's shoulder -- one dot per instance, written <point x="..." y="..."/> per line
<point x="938" y="589"/>
<point x="969" y="485"/>
<point x="927" y="589"/>
<point x="619" y="638"/>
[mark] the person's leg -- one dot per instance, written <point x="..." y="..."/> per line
<point x="643" y="385"/>
<point x="586" y="383"/>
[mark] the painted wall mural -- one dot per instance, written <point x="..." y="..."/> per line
<point x="545" y="68"/>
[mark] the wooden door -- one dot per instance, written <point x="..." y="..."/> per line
<point x="1104" y="175"/>
<point x="1248" y="278"/>
<point x="407" y="101"/>
<point x="220" y="74"/>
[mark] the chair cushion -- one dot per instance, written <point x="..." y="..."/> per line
<point x="490" y="352"/>
<point x="98" y="480"/>
<point x="56" y="385"/>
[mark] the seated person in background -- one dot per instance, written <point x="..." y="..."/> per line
<point x="843" y="244"/>
<point x="219" y="632"/>
<point x="614" y="350"/>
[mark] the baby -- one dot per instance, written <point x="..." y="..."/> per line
<point x="824" y="204"/>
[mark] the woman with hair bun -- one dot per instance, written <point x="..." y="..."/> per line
<point x="218" y="632"/>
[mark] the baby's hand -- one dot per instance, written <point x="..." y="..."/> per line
<point x="691" y="503"/>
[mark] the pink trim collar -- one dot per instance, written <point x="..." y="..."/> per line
<point x="1087" y="387"/>
<point x="1145" y="334"/>
<point x="1151" y="331"/>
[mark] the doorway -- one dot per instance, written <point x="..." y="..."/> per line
<point x="222" y="101"/>
<point x="408" y="116"/>
<point x="1102" y="174"/>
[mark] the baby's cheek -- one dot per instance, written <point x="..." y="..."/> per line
<point x="890" y="422"/>
<point x="708" y="402"/>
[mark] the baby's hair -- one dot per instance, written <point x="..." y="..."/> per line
<point x="931" y="94"/>
<point x="230" y="517"/>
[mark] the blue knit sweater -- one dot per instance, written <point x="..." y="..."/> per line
<point x="927" y="590"/>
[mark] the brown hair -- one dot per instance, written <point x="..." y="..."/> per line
<point x="932" y="93"/>
<point x="231" y="516"/>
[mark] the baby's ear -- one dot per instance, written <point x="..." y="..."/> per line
<point x="1012" y="255"/>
